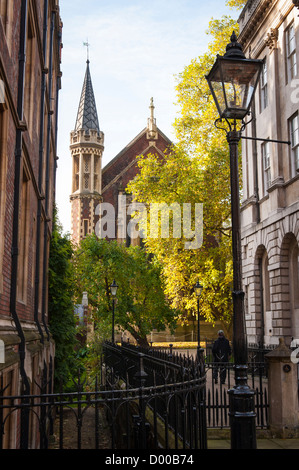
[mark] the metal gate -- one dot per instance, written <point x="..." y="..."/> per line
<point x="217" y="405"/>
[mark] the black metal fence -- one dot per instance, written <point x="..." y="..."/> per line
<point x="171" y="396"/>
<point x="217" y="405"/>
<point x="138" y="401"/>
<point x="256" y="351"/>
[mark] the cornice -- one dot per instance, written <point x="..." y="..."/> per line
<point x="90" y="149"/>
<point x="97" y="197"/>
<point x="259" y="17"/>
<point x="256" y="19"/>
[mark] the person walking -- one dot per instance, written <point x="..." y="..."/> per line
<point x="221" y="353"/>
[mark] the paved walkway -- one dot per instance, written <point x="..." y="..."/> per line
<point x="261" y="444"/>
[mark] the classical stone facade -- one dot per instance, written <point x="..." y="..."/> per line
<point x="269" y="30"/>
<point x="30" y="79"/>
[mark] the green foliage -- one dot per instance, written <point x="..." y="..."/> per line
<point x="61" y="306"/>
<point x="141" y="305"/>
<point x="180" y="178"/>
<point x="196" y="170"/>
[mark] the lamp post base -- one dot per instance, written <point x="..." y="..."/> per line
<point x="242" y="412"/>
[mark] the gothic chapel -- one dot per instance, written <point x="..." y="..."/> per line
<point x="92" y="185"/>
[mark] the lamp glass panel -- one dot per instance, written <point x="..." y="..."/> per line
<point x="113" y="288"/>
<point x="198" y="289"/>
<point x="233" y="83"/>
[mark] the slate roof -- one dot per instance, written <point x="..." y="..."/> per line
<point x="87" y="116"/>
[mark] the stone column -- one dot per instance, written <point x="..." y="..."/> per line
<point x="283" y="392"/>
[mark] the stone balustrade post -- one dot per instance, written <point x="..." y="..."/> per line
<point x="283" y="392"/>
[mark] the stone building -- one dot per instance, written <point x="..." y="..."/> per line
<point x="269" y="30"/>
<point x="94" y="187"/>
<point x="30" y="76"/>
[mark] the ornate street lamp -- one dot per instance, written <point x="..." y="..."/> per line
<point x="113" y="289"/>
<point x="233" y="80"/>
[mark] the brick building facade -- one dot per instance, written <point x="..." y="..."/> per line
<point x="269" y="30"/>
<point x="123" y="168"/>
<point x="30" y="49"/>
<point x="92" y="186"/>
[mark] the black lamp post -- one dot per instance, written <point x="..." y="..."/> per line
<point x="233" y="80"/>
<point x="113" y="289"/>
<point x="198" y="290"/>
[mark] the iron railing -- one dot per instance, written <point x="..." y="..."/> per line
<point x="171" y="395"/>
<point x="217" y="404"/>
<point x="139" y="401"/>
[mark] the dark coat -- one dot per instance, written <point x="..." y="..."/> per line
<point x="221" y="349"/>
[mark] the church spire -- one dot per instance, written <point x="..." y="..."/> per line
<point x="87" y="146"/>
<point x="151" y="123"/>
<point x="87" y="116"/>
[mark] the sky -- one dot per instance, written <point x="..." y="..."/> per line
<point x="137" y="49"/>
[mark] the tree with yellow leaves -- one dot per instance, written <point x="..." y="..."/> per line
<point x="195" y="170"/>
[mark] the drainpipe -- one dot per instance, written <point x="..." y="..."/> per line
<point x="45" y="254"/>
<point x="15" y="234"/>
<point x="40" y="174"/>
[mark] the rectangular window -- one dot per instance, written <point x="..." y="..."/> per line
<point x="23" y="238"/>
<point x="41" y="264"/>
<point x="6" y="15"/>
<point x="266" y="165"/>
<point x="294" y="137"/>
<point x="85" y="227"/>
<point x="264" y="88"/>
<point x="76" y="172"/>
<point x="291" y="53"/>
<point x="29" y="76"/>
<point x="86" y="163"/>
<point x="3" y="174"/>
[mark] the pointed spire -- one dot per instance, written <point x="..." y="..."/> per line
<point x="152" y="107"/>
<point x="87" y="117"/>
<point x="151" y="124"/>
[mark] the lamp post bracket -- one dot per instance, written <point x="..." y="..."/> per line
<point x="268" y="140"/>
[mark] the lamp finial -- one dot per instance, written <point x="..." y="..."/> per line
<point x="234" y="48"/>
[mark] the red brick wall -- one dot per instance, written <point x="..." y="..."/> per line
<point x="126" y="163"/>
<point x="10" y="126"/>
<point x="9" y="73"/>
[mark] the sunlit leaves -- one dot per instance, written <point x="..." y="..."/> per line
<point x="196" y="170"/>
